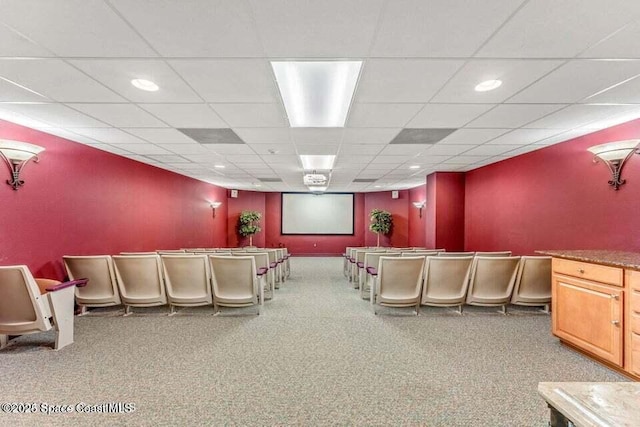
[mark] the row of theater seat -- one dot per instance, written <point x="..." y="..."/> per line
<point x="401" y="278"/>
<point x="178" y="278"/>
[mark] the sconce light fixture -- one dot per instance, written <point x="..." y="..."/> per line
<point x="16" y="154"/>
<point x="419" y="205"/>
<point x="614" y="155"/>
<point x="214" y="206"/>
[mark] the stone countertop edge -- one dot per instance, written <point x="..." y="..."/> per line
<point x="629" y="260"/>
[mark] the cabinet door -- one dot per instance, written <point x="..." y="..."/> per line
<point x="632" y="322"/>
<point x="589" y="315"/>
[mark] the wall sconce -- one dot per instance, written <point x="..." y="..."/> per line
<point x="419" y="205"/>
<point x="16" y="154"/>
<point x="214" y="206"/>
<point x="614" y="154"/>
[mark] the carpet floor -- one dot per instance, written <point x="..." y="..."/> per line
<point x="316" y="356"/>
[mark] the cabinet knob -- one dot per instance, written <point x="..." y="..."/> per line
<point x="614" y="296"/>
<point x="581" y="271"/>
<point x="615" y="322"/>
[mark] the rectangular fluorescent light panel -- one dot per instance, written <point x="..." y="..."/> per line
<point x="317" y="93"/>
<point x="316" y="189"/>
<point x="317" y="163"/>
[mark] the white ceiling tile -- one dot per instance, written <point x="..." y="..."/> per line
<point x="369" y="135"/>
<point x="615" y="119"/>
<point x="490" y="150"/>
<point x="625" y="93"/>
<point x="230" y="80"/>
<point x="109" y="135"/>
<point x="251" y="115"/>
<point x="465" y="159"/>
<point x="524" y="136"/>
<point x="318" y="150"/>
<point x="397" y="160"/>
<point x="184" y="149"/>
<point x="186" y="115"/>
<point x="402" y="149"/>
<point x="274" y="150"/>
<point x="169" y="158"/>
<point x="447" y="115"/>
<point x="276" y="160"/>
<point x="307" y="29"/>
<point x="10" y="92"/>
<point x="161" y="136"/>
<point x="56" y="115"/>
<point x="513" y="115"/>
<point x="523" y="150"/>
<point x="113" y="149"/>
<point x="231" y="149"/>
<point x="428" y="158"/>
<point x="55" y="79"/>
<point x="562" y="137"/>
<point x="144" y="149"/>
<point x="382" y="115"/>
<point x="578" y="115"/>
<point x="247" y="158"/>
<point x="438" y="28"/>
<point x="578" y="79"/>
<point x="305" y="136"/>
<point x="548" y="28"/>
<point x="117" y="75"/>
<point x="472" y="136"/>
<point x="209" y="158"/>
<point x="14" y="44"/>
<point x="621" y="44"/>
<point x="361" y="149"/>
<point x="447" y="149"/>
<point x="263" y="135"/>
<point x="119" y="115"/>
<point x="404" y="80"/>
<point x="211" y="28"/>
<point x="514" y="74"/>
<point x="74" y="28"/>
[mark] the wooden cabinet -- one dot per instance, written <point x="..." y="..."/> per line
<point x="587" y="313"/>
<point x="632" y="321"/>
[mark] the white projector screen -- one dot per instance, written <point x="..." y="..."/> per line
<point x="305" y="213"/>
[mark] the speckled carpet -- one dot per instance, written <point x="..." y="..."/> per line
<point x="317" y="356"/>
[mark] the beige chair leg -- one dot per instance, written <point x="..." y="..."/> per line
<point x="460" y="309"/>
<point x="216" y="309"/>
<point x="546" y="309"/>
<point x="4" y="341"/>
<point x="418" y="309"/>
<point x="504" y="309"/>
<point x="172" y="310"/>
<point x="62" y="306"/>
<point x="83" y="310"/>
<point x="127" y="310"/>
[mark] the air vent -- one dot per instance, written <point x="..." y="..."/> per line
<point x="421" y="136"/>
<point x="269" y="179"/>
<point x="212" y="136"/>
<point x="365" y="179"/>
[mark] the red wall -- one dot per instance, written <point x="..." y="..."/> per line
<point x="555" y="198"/>
<point x="246" y="201"/>
<point x="417" y="224"/>
<point x="80" y="200"/>
<point x="399" y="208"/>
<point x="445" y="211"/>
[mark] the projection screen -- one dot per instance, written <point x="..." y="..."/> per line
<point x="329" y="213"/>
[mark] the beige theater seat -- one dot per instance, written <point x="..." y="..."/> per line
<point x="399" y="282"/>
<point x="102" y="289"/>
<point x="370" y="271"/>
<point x="287" y="264"/>
<point x="235" y="282"/>
<point x="170" y="251"/>
<point x="138" y="253"/>
<point x="24" y="309"/>
<point x="533" y="282"/>
<point x="188" y="280"/>
<point x="456" y="254"/>
<point x="502" y="253"/>
<point x="446" y="280"/>
<point x="140" y="281"/>
<point x="492" y="281"/>
<point x="420" y="253"/>
<point x="263" y="271"/>
<point x="281" y="265"/>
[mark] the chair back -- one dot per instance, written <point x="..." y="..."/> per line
<point x="102" y="289"/>
<point x="492" y="280"/>
<point x="138" y="253"/>
<point x="420" y="253"/>
<point x="456" y="254"/>
<point x="400" y="279"/>
<point x="446" y="280"/>
<point x="140" y="280"/>
<point x="22" y="308"/>
<point x="372" y="259"/>
<point x="187" y="278"/>
<point x="234" y="279"/>
<point x="533" y="281"/>
<point x="502" y="253"/>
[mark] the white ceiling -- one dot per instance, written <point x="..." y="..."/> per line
<point x="568" y="68"/>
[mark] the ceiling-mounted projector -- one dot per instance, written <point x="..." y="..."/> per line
<point x="315" y="179"/>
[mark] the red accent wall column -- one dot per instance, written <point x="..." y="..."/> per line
<point x="417" y="224"/>
<point x="445" y="208"/>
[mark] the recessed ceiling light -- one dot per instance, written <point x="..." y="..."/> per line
<point x="317" y="93"/>
<point x="414" y="167"/>
<point x="219" y="166"/>
<point x="377" y="186"/>
<point x="311" y="163"/>
<point x="488" y="85"/>
<point x="143" y="84"/>
<point x="257" y="184"/>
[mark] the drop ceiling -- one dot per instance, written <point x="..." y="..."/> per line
<point x="568" y="68"/>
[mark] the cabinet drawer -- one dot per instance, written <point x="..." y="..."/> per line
<point x="634" y="322"/>
<point x="587" y="271"/>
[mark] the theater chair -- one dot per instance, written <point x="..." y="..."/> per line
<point x="263" y="270"/>
<point x="501" y="253"/>
<point x="236" y="282"/>
<point x="369" y="275"/>
<point x="29" y="305"/>
<point x="533" y="282"/>
<point x="103" y="289"/>
<point x="140" y="281"/>
<point x="446" y="280"/>
<point x="399" y="282"/>
<point x="492" y="281"/>
<point x="188" y="280"/>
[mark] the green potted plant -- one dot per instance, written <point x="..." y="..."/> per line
<point x="381" y="222"/>
<point x="248" y="224"/>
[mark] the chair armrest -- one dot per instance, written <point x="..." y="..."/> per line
<point x="372" y="271"/>
<point x="79" y="283"/>
<point x="262" y="270"/>
<point x="360" y="264"/>
<point x="273" y="265"/>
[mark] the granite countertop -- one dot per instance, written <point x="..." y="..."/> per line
<point x="595" y="404"/>
<point x="622" y="259"/>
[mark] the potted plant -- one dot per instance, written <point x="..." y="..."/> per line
<point x="248" y="224"/>
<point x="381" y="222"/>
